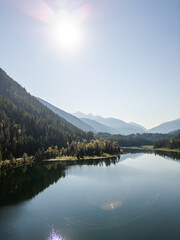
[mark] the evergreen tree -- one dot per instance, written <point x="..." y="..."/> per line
<point x="0" y="156"/>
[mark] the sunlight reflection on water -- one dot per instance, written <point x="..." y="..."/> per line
<point x="55" y="236"/>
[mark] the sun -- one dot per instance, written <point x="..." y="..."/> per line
<point x="67" y="32"/>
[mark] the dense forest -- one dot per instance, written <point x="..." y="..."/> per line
<point x="173" y="143"/>
<point x="138" y="140"/>
<point x="26" y="125"/>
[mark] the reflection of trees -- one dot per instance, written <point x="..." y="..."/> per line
<point x="24" y="183"/>
<point x="100" y="162"/>
<point x="136" y="150"/>
<point x="170" y="154"/>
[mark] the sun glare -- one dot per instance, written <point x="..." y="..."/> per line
<point x="67" y="32"/>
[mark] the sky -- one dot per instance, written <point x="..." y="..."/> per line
<point x="114" y="58"/>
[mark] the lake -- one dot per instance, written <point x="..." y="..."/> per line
<point x="136" y="196"/>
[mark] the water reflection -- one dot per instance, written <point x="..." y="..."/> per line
<point x="171" y="155"/>
<point x="136" y="197"/>
<point x="24" y="183"/>
<point x="54" y="235"/>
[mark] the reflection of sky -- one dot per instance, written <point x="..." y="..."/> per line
<point x="130" y="155"/>
<point x="155" y="164"/>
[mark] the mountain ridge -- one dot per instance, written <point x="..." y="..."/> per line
<point x="131" y="127"/>
<point x="119" y="126"/>
<point x="98" y="126"/>
<point x="166" y="127"/>
<point x="67" y="116"/>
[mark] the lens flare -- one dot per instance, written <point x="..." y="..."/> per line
<point x="63" y="20"/>
<point x="55" y="236"/>
<point x="35" y="9"/>
<point x="111" y="206"/>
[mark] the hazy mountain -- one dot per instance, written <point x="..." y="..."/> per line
<point x="138" y="125"/>
<point x="124" y="128"/>
<point x="68" y="117"/>
<point x="166" y="127"/>
<point x="26" y="125"/>
<point x="117" y="125"/>
<point x="98" y="126"/>
<point x="83" y="115"/>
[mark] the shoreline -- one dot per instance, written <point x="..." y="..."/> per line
<point x="7" y="164"/>
<point x="64" y="159"/>
<point x="139" y="148"/>
<point x="152" y="149"/>
<point x="167" y="150"/>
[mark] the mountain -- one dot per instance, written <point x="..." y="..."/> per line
<point x="26" y="125"/>
<point x="118" y="126"/>
<point x="139" y="126"/>
<point x="166" y="127"/>
<point x="68" y="117"/>
<point x="98" y="126"/>
<point x="83" y="115"/>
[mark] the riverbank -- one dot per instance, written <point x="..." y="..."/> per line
<point x="167" y="150"/>
<point x="20" y="162"/>
<point x="153" y="149"/>
<point x="71" y="158"/>
<point x="139" y="148"/>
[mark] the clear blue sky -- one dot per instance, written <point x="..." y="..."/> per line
<point x="128" y="66"/>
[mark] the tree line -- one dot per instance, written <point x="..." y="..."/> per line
<point x="80" y="149"/>
<point x="138" y="140"/>
<point x="173" y="143"/>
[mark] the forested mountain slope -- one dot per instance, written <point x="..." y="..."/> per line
<point x="26" y="125"/>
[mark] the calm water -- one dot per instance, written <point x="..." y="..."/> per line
<point x="134" y="197"/>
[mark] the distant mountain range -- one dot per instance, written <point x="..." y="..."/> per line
<point x="110" y="125"/>
<point x="138" y="125"/>
<point x="98" y="127"/>
<point x="68" y="117"/>
<point x="166" y="127"/>
<point x="117" y="126"/>
<point x="89" y="122"/>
